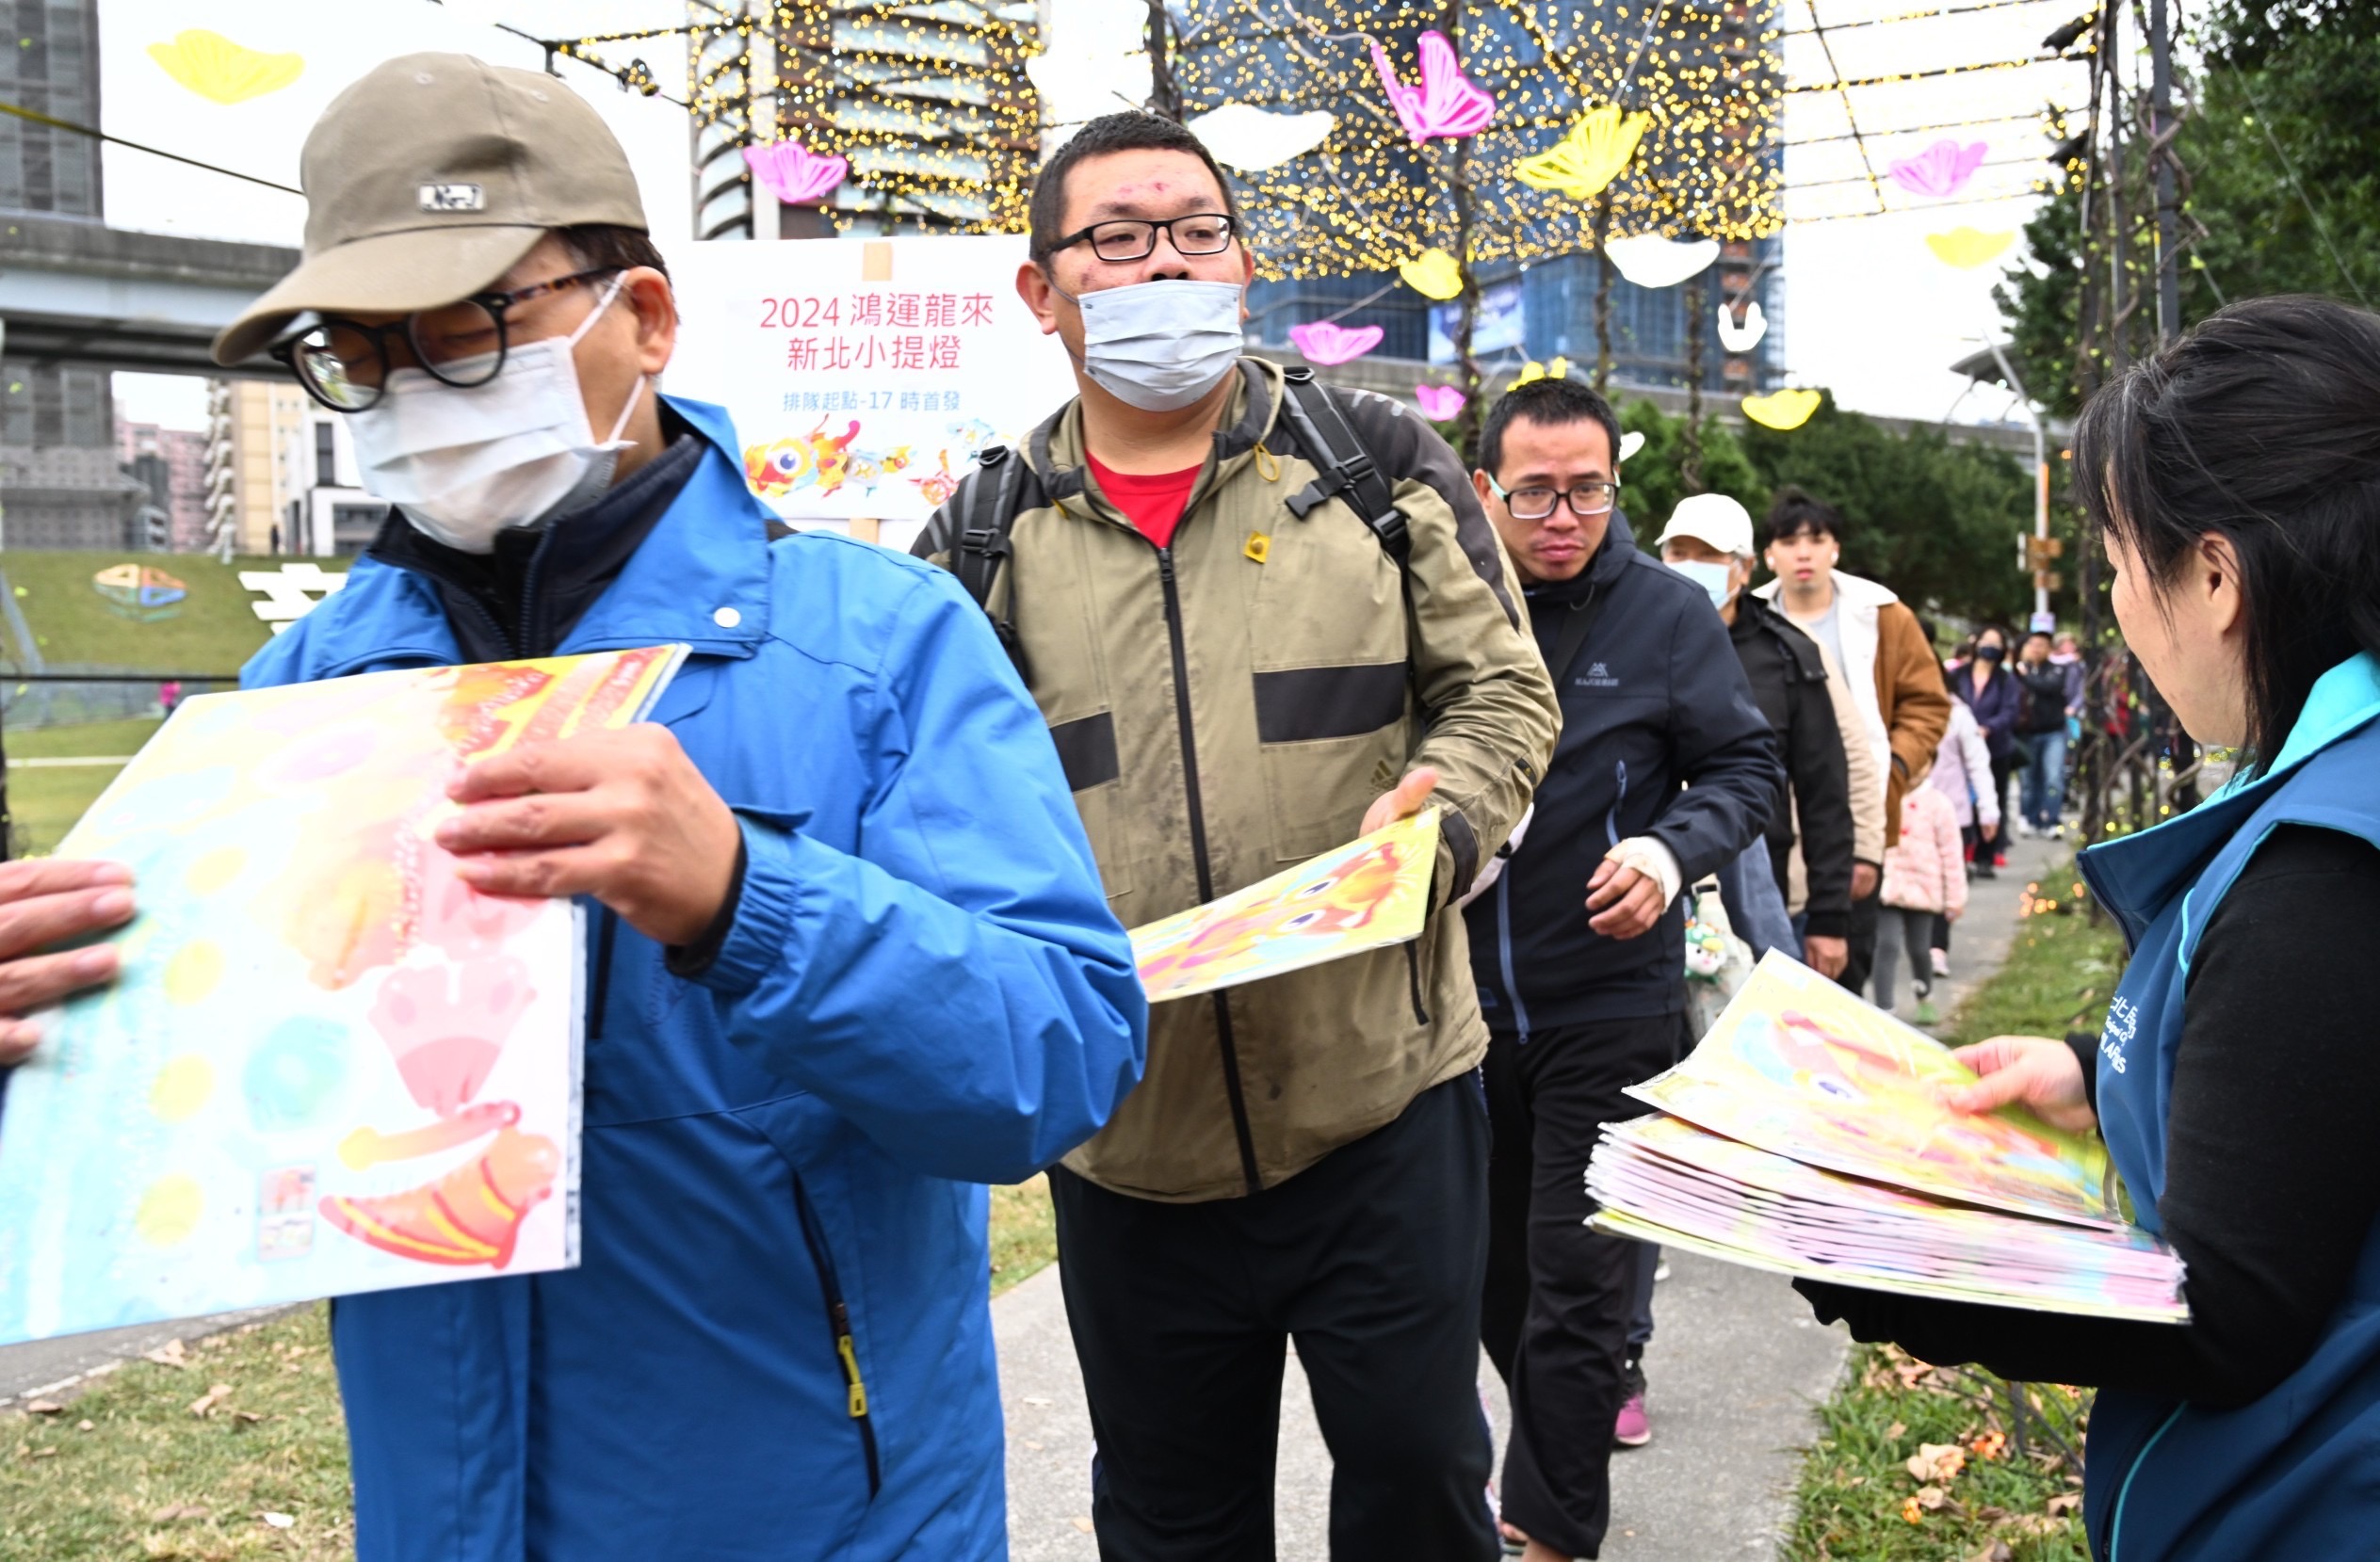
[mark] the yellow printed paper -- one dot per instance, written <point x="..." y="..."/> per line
<point x="1365" y="895"/>
<point x="330" y="1066"/>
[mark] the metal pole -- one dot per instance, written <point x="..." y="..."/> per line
<point x="2161" y="131"/>
<point x="2041" y="469"/>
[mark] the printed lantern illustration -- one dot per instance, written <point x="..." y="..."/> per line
<point x="1326" y="342"/>
<point x="223" y="72"/>
<point x="1942" y="169"/>
<point x="1594" y="154"/>
<point x="794" y="174"/>
<point x="1651" y="261"/>
<point x="1445" y="105"/>
<point x="1438" y="402"/>
<point x="1433" y="273"/>
<point x="1744" y="337"/>
<point x="1243" y="136"/>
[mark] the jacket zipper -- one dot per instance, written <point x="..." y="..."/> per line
<point x="1198" y="853"/>
<point x="1504" y="948"/>
<point x="1612" y="817"/>
<point x="1412" y="980"/>
<point x="839" y="1323"/>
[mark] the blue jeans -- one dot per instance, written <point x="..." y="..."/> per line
<point x="2044" y="776"/>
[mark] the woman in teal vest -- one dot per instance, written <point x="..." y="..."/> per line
<point x="2236" y="481"/>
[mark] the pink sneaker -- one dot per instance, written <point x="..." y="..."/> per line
<point x="1632" y="1429"/>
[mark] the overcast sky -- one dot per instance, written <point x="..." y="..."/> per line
<point x="1871" y="313"/>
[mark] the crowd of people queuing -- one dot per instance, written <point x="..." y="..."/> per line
<point x="861" y="889"/>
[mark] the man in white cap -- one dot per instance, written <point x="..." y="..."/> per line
<point x="1708" y="539"/>
<point x="832" y="978"/>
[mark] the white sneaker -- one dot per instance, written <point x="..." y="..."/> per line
<point x="1941" y="964"/>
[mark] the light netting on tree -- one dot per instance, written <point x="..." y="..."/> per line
<point x="928" y="102"/>
<point x="1705" y="77"/>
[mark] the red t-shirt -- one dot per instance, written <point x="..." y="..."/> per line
<point x="1152" y="501"/>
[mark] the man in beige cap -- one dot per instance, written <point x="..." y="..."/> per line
<point x="831" y="977"/>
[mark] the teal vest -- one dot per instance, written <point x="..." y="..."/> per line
<point x="2298" y="1472"/>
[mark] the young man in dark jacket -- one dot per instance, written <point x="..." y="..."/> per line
<point x="1708" y="539"/>
<point x="1578" y="947"/>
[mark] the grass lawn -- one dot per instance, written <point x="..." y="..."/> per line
<point x="45" y="803"/>
<point x="214" y="630"/>
<point x="1859" y="1498"/>
<point x="125" y="1469"/>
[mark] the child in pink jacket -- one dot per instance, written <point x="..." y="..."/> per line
<point x="1925" y="877"/>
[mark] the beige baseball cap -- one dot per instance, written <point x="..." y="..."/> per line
<point x="427" y="179"/>
<point x="1711" y="518"/>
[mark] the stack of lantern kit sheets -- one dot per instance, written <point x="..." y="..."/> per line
<point x="1806" y="1135"/>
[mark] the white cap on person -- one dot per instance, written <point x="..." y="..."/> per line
<point x="1711" y="518"/>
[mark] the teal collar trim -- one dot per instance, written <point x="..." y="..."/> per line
<point x="2341" y="699"/>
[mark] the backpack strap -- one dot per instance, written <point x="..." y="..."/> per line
<point x="986" y="511"/>
<point x="1348" y="470"/>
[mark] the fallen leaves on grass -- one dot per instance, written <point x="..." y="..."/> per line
<point x="173" y="1353"/>
<point x="204" y="1406"/>
<point x="178" y="1512"/>
<point x="44" y="1407"/>
<point x="1938" y="1462"/>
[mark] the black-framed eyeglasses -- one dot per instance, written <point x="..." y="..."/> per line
<point x="344" y="364"/>
<point x="1536" y="502"/>
<point x="1130" y="238"/>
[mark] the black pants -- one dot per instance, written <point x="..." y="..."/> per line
<point x="1370" y="1260"/>
<point x="1861" y="939"/>
<point x="1555" y="1318"/>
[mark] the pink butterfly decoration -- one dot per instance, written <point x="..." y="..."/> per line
<point x="794" y="174"/>
<point x="1942" y="169"/>
<point x="1439" y="402"/>
<point x="1326" y="342"/>
<point x="1444" y="104"/>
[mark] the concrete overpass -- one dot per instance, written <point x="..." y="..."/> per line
<point x="75" y="291"/>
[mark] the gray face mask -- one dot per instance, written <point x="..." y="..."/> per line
<point x="1159" y="346"/>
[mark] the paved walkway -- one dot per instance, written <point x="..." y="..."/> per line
<point x="1734" y="1369"/>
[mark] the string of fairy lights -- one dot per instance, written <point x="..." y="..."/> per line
<point x="941" y="126"/>
<point x="1704" y="75"/>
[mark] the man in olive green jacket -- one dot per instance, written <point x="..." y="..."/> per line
<point x="1234" y="686"/>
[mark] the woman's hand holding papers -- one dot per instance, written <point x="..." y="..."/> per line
<point x="2031" y="1071"/>
<point x="48" y="901"/>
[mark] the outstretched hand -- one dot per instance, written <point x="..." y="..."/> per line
<point x="2031" y="1071"/>
<point x="1402" y="802"/>
<point x="47" y="901"/>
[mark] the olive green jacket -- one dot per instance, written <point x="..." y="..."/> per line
<point x="1232" y="705"/>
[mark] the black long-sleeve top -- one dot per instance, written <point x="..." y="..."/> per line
<point x="2272" y="1184"/>
<point x="1789" y="683"/>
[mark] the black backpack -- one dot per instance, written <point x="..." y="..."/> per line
<point x="988" y="506"/>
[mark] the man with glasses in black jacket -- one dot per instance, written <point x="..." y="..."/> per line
<point x="1666" y="769"/>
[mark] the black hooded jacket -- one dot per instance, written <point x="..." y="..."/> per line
<point x="1660" y="737"/>
<point x="1789" y="682"/>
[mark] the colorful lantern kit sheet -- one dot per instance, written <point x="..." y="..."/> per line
<point x="1807" y="1134"/>
<point x="330" y="1066"/>
<point x="1370" y="893"/>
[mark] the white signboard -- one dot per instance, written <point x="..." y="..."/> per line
<point x="862" y="374"/>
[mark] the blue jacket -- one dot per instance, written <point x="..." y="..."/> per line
<point x="1660" y="737"/>
<point x="2296" y="1474"/>
<point x="776" y="1345"/>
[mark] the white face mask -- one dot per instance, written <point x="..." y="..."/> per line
<point x="1159" y="346"/>
<point x="465" y="464"/>
<point x="1717" y="579"/>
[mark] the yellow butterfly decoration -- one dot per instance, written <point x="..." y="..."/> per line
<point x="216" y="68"/>
<point x="1533" y="370"/>
<point x="1591" y="157"/>
<point x="1966" y="248"/>
<point x="1782" y="409"/>
<point x="1433" y="273"/>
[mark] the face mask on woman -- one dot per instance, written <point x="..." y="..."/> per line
<point x="1989" y="652"/>
<point x="1159" y="346"/>
<point x="464" y="464"/>
<point x="1716" y="579"/>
